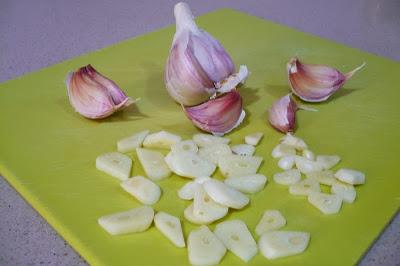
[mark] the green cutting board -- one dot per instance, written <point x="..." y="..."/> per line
<point x="47" y="151"/>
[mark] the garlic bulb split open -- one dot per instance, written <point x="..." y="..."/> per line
<point x="315" y="83"/>
<point x="218" y="116"/>
<point x="93" y="95"/>
<point x="282" y="115"/>
<point x="198" y="67"/>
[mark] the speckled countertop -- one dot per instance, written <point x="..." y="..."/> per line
<point x="36" y="34"/>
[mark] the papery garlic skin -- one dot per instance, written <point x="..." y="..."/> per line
<point x="218" y="116"/>
<point x="93" y="95"/>
<point x="196" y="61"/>
<point x="315" y="83"/>
<point x="282" y="114"/>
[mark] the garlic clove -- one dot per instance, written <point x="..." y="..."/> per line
<point x="315" y="83"/>
<point x="196" y="61"/>
<point x="93" y="95"/>
<point x="218" y="116"/>
<point x="282" y="115"/>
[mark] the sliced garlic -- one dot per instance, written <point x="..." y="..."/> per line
<point x="325" y="177"/>
<point x="132" y="221"/>
<point x="283" y="150"/>
<point x="305" y="187"/>
<point x="185" y="145"/>
<point x="186" y="192"/>
<point x="205" y="209"/>
<point x="115" y="164"/>
<point x="328" y="161"/>
<point x="282" y="114"/>
<point x="142" y="189"/>
<point x="236" y="165"/>
<point x="203" y="140"/>
<point x="153" y="164"/>
<point x="326" y="203"/>
<point x="289" y="177"/>
<point x="278" y="244"/>
<point x="308" y="155"/>
<point x="225" y="195"/>
<point x="93" y="95"/>
<point x="237" y="238"/>
<point x="161" y="140"/>
<point x="219" y="115"/>
<point x="293" y="141"/>
<point x="211" y="215"/>
<point x="346" y="191"/>
<point x="247" y="184"/>
<point x="286" y="162"/>
<point x="315" y="83"/>
<point x="270" y="221"/>
<point x="243" y="149"/>
<point x="350" y="176"/>
<point x="253" y="139"/>
<point x="306" y="166"/>
<point x="188" y="164"/>
<point x="132" y="142"/>
<point x="212" y="153"/>
<point x="170" y="226"/>
<point x="204" y="248"/>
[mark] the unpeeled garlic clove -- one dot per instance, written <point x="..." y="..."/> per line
<point x="315" y="83"/>
<point x="282" y="114"/>
<point x="197" y="63"/>
<point x="218" y="116"/>
<point x="93" y="95"/>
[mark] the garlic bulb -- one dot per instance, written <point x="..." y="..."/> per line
<point x="315" y="83"/>
<point x="282" y="115"/>
<point x="197" y="65"/>
<point x="93" y="95"/>
<point x="218" y="116"/>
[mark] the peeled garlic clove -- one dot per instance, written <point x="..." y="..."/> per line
<point x="197" y="63"/>
<point x="218" y="116"/>
<point x="282" y="114"/>
<point x="315" y="83"/>
<point x="93" y="95"/>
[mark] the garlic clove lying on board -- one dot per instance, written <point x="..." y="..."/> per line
<point x="282" y="115"/>
<point x="218" y="116"/>
<point x="198" y="65"/>
<point x="315" y="83"/>
<point x="93" y="95"/>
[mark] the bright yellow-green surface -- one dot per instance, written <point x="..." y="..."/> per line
<point x="47" y="151"/>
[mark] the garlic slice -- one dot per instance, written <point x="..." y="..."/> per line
<point x="218" y="116"/>
<point x="225" y="195"/>
<point x="289" y="177"/>
<point x="186" y="146"/>
<point x="212" y="153"/>
<point x="144" y="190"/>
<point x="203" y="140"/>
<point x="247" y="184"/>
<point x="346" y="191"/>
<point x="305" y="187"/>
<point x="270" y="221"/>
<point x="286" y="162"/>
<point x="315" y="83"/>
<point x="282" y="114"/>
<point x="243" y="149"/>
<point x="236" y="165"/>
<point x="328" y="161"/>
<point x="282" y="150"/>
<point x="189" y="164"/>
<point x="293" y="141"/>
<point x="350" y="176"/>
<point x="93" y="95"/>
<point x="233" y="80"/>
<point x="253" y="139"/>
<point x="325" y="177"/>
<point x="306" y="166"/>
<point x="326" y="203"/>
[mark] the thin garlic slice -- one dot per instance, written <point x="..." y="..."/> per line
<point x="225" y="195"/>
<point x="293" y="141"/>
<point x="283" y="150"/>
<point x="247" y="184"/>
<point x="308" y="155"/>
<point x="328" y="161"/>
<point x="236" y="165"/>
<point x="203" y="140"/>
<point x="305" y="187"/>
<point x="243" y="149"/>
<point x="115" y="164"/>
<point x="186" y="146"/>
<point x="315" y="83"/>
<point x="350" y="176"/>
<point x="131" y="143"/>
<point x="326" y="203"/>
<point x="170" y="226"/>
<point x="189" y="164"/>
<point x="153" y="164"/>
<point x="289" y="177"/>
<point x="212" y="153"/>
<point x="306" y="166"/>
<point x="270" y="221"/>
<point x="253" y="139"/>
<point x="144" y="190"/>
<point x="325" y="177"/>
<point x="286" y="162"/>
<point x="346" y="191"/>
<point x="161" y="140"/>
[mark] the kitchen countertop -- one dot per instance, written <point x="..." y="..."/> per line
<point x="37" y="34"/>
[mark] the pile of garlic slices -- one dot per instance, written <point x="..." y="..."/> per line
<point x="198" y="158"/>
<point x="296" y="159"/>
